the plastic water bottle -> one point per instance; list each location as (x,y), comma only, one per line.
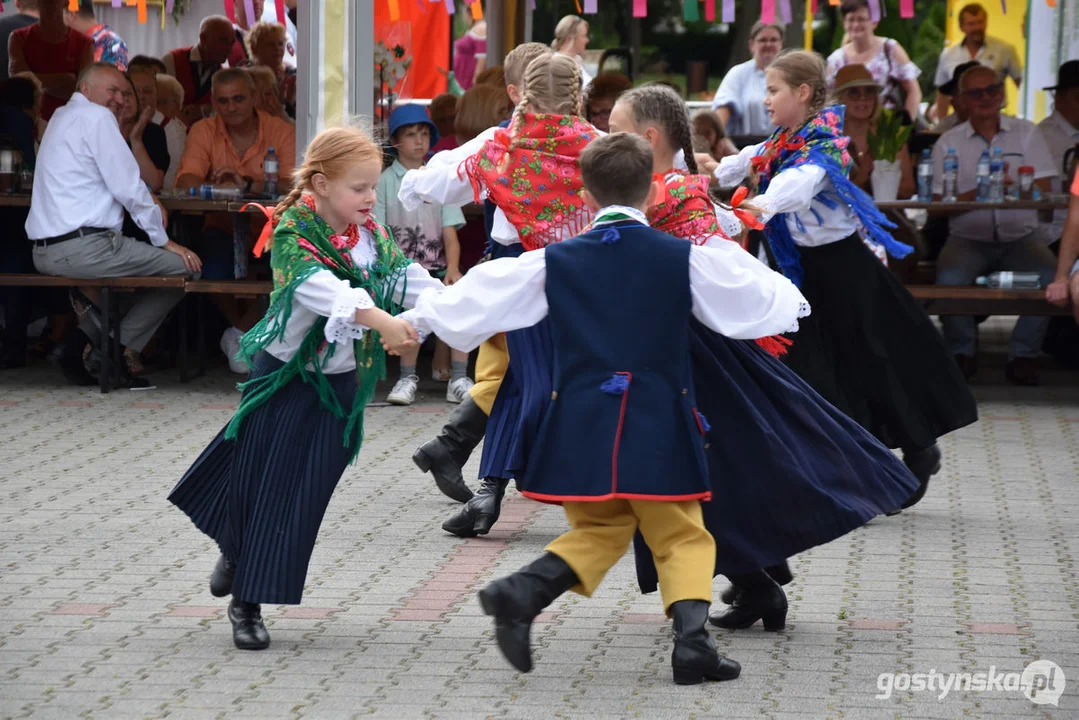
(996,177)
(983,192)
(1011,280)
(270,171)
(216,192)
(925,177)
(951,176)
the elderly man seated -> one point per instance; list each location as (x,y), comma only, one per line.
(86,177)
(195,66)
(229,149)
(985,241)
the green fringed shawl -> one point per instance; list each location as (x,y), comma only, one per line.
(302,246)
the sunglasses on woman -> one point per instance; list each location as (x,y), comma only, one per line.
(860,93)
(990,91)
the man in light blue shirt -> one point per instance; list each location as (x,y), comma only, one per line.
(739,102)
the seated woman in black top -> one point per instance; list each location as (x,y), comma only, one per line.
(149,146)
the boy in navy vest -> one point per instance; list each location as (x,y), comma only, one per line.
(622,444)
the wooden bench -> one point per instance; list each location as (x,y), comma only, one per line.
(107,287)
(202,288)
(961,300)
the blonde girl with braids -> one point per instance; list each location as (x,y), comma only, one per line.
(868,348)
(261,487)
(530,171)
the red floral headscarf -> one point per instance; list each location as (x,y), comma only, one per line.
(532,173)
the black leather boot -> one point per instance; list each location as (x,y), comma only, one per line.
(445,454)
(781,573)
(481,512)
(759,598)
(515,600)
(695,658)
(924,464)
(221,577)
(248,630)
(70,361)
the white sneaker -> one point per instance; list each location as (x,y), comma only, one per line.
(458,389)
(404,391)
(230,345)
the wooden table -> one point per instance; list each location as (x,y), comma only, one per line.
(1055,202)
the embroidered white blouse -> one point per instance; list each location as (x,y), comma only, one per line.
(326,295)
(732,292)
(797,191)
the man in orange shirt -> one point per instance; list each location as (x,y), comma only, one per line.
(228,150)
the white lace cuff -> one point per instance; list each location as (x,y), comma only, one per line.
(413,319)
(803,311)
(342,326)
(729,223)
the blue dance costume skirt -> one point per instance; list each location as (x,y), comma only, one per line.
(262,496)
(788,470)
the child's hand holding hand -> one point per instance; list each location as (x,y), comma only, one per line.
(398,337)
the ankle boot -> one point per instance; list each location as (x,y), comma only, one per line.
(248,630)
(221,577)
(924,464)
(481,512)
(515,600)
(445,454)
(70,361)
(760,597)
(695,658)
(781,573)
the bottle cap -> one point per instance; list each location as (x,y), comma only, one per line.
(272,150)
(981,281)
(1027,169)
(192,191)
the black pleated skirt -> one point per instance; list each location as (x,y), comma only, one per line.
(262,497)
(870,350)
(788,470)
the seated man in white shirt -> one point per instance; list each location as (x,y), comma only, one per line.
(985,241)
(1061,133)
(86,177)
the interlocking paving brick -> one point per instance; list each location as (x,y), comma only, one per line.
(981,573)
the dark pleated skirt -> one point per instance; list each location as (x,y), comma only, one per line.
(870,350)
(520,404)
(262,497)
(788,470)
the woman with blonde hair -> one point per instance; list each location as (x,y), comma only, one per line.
(860,94)
(266,44)
(261,487)
(571,39)
(530,171)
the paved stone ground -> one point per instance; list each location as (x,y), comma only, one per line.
(105,612)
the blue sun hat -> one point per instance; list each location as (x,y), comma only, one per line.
(404,115)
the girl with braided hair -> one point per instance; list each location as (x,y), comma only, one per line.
(261,487)
(530,171)
(869,348)
(788,471)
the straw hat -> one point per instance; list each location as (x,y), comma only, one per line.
(855,75)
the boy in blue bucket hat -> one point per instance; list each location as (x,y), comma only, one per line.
(428,236)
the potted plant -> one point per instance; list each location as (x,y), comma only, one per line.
(888,138)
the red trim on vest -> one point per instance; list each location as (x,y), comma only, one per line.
(697,417)
(705,496)
(618,432)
